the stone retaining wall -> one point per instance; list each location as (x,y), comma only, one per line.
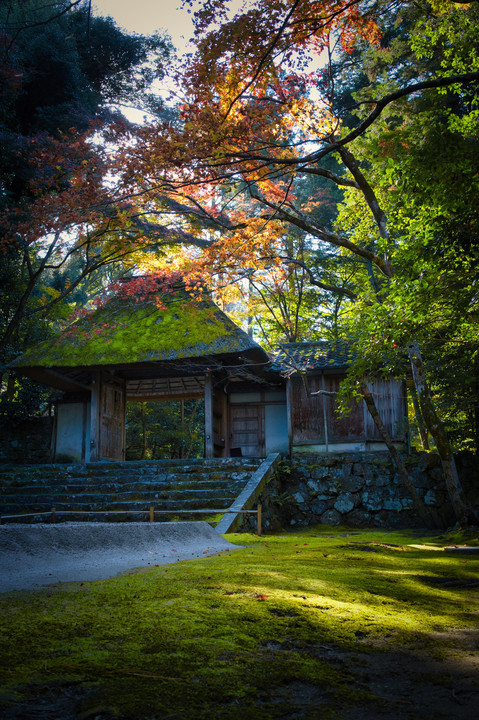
(27,443)
(361,489)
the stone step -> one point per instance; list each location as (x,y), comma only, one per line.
(99,516)
(101,496)
(115,487)
(167,485)
(162,462)
(152,478)
(147,467)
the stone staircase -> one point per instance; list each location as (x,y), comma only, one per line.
(123,491)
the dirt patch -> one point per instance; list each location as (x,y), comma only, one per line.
(407,686)
(394,685)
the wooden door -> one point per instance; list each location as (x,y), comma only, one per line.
(112,423)
(247,429)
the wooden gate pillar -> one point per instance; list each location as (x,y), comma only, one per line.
(209,419)
(95,442)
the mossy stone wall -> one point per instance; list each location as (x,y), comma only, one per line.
(361,490)
(28,442)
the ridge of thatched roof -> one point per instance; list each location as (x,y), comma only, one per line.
(318,355)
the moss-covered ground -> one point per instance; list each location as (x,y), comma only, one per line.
(280,628)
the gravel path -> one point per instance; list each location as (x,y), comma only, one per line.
(35,555)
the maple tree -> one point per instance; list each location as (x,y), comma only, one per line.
(264,107)
(61,72)
(259,116)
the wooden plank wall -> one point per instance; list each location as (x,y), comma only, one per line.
(247,430)
(309,411)
(389,396)
(306,412)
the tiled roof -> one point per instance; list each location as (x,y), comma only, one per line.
(319,355)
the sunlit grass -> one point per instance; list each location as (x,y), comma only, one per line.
(191,639)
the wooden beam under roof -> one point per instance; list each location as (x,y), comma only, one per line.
(50,377)
(163,389)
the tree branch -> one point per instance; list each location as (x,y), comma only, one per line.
(297,218)
(380,105)
(331,176)
(317,283)
(267,53)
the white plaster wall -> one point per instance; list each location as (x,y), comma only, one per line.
(276,429)
(73,432)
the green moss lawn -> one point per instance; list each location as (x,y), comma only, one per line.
(282,628)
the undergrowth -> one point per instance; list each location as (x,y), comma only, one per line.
(223,635)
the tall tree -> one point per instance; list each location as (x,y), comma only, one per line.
(252,122)
(62,72)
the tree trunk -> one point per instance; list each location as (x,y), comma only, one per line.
(396,457)
(417,411)
(475,407)
(462,510)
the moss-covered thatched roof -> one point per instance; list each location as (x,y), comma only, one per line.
(126,331)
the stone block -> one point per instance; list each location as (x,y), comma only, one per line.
(318,507)
(353,483)
(372,500)
(421,480)
(344,503)
(392,504)
(319,472)
(326,487)
(359,518)
(428,461)
(331,460)
(331,517)
(381,459)
(383,480)
(436,474)
(336,473)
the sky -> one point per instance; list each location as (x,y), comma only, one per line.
(147,16)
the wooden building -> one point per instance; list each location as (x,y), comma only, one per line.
(140,351)
(315,371)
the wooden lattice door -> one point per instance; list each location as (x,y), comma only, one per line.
(247,429)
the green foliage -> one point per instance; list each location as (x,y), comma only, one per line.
(21,398)
(419,157)
(61,72)
(65,68)
(228,634)
(157,430)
